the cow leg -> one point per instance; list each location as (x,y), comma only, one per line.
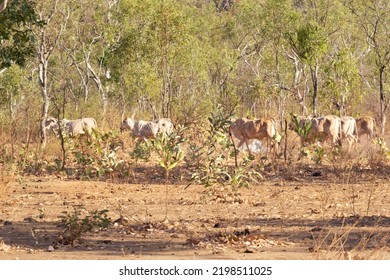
(349,140)
(235,149)
(247,146)
(275,148)
(353,142)
(240,144)
(270,146)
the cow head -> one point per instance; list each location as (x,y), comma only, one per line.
(51,124)
(127,124)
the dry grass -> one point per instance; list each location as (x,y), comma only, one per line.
(349,242)
(7,178)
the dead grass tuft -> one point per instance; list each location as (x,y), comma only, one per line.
(7,178)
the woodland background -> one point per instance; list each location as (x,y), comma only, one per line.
(182,58)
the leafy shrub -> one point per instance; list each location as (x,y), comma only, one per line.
(98,154)
(141,151)
(74,226)
(168,149)
(214,150)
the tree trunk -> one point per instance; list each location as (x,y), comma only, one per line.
(45,49)
(282,96)
(3,5)
(99,84)
(382,101)
(314,78)
(298,73)
(43,64)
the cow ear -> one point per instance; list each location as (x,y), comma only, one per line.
(258,123)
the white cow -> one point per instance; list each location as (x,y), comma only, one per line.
(147,129)
(165,125)
(72,127)
(80,126)
(349,131)
(51,124)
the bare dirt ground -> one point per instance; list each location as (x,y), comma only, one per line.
(311,215)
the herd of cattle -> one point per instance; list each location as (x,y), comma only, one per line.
(244,130)
(309,129)
(140,129)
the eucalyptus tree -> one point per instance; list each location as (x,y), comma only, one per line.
(270,73)
(16,37)
(341,83)
(162,57)
(309,42)
(373,18)
(55,15)
(12,84)
(314,37)
(342,80)
(86,46)
(17,45)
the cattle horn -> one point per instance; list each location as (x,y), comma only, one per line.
(132,116)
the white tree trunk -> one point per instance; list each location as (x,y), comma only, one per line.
(3,5)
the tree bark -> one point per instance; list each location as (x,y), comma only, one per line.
(3,5)
(383,103)
(43,66)
(314,78)
(298,73)
(45,49)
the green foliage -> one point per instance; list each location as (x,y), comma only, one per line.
(319,154)
(215,152)
(244,176)
(162,43)
(74,225)
(302,130)
(141,151)
(218,129)
(309,42)
(384,151)
(176,47)
(16,36)
(342,81)
(10,84)
(96,155)
(194,155)
(168,149)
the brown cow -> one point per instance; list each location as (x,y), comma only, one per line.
(366,125)
(321,128)
(261,129)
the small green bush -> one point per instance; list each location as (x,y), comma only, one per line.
(74,226)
